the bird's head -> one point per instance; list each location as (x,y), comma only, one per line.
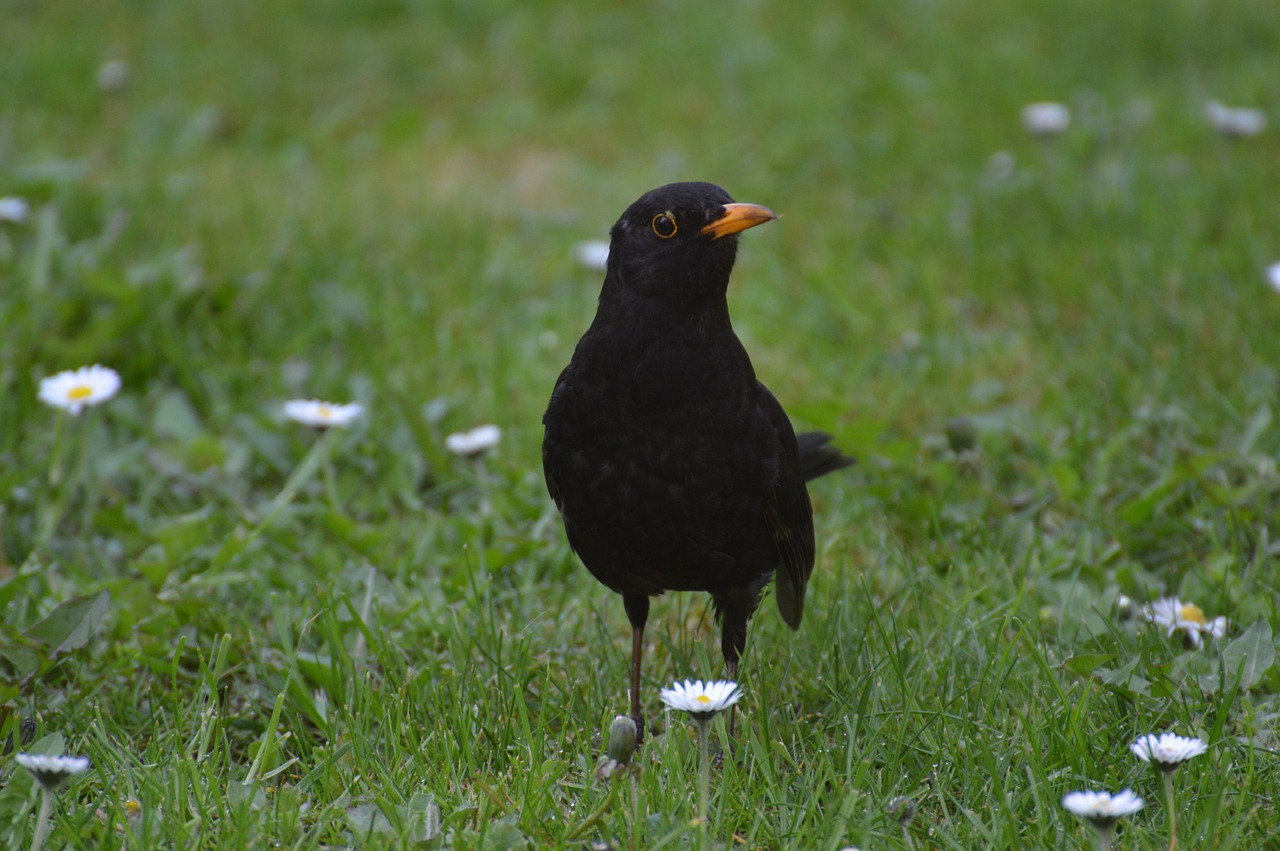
(677,243)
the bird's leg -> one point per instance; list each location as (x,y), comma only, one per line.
(637,645)
(733,641)
(637,606)
(733,710)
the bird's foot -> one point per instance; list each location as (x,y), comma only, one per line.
(639,719)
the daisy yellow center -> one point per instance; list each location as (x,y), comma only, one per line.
(1192,612)
(702,698)
(325,412)
(80,391)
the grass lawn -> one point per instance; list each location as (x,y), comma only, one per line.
(1057,360)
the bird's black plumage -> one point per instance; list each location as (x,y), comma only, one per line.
(674,469)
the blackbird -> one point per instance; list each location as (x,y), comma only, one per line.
(673,468)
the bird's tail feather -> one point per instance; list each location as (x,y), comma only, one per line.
(818,457)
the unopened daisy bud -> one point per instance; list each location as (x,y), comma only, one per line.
(901,809)
(962,435)
(622,739)
(1124,608)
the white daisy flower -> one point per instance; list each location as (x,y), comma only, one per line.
(1174,615)
(1235,121)
(77,389)
(1001,165)
(51,771)
(699,698)
(1102,809)
(14,209)
(1046,118)
(592,254)
(1273,276)
(474,442)
(317,414)
(113,76)
(1167,751)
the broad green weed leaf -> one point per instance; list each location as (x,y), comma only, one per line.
(71,625)
(1251,654)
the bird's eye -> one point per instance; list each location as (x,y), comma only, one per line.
(664,225)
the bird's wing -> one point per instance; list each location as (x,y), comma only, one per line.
(789,516)
(548,465)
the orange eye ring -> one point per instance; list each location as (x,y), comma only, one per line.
(664,225)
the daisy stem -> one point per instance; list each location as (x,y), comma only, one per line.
(366,608)
(59,449)
(1167,778)
(302,474)
(635,813)
(704,779)
(81,478)
(330,483)
(594,816)
(482,475)
(59,487)
(42,820)
(1104,839)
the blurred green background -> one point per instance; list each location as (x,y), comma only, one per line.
(379,201)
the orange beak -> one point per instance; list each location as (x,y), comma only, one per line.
(738,217)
